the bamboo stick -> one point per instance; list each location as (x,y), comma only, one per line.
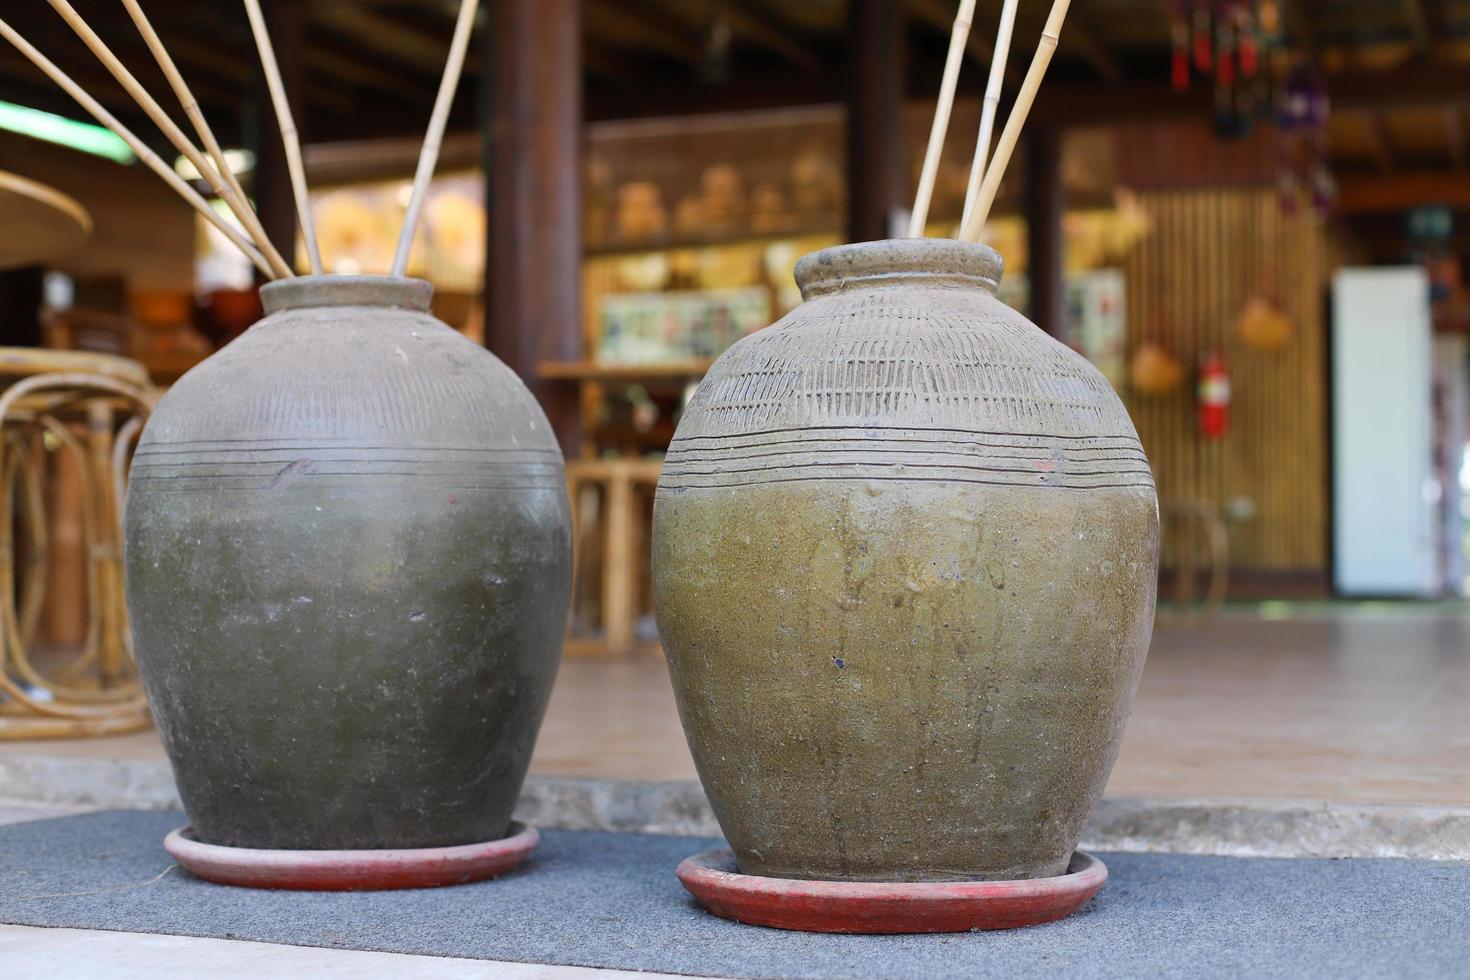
(141,150)
(996,169)
(161,119)
(990,105)
(195,115)
(957,38)
(434,138)
(289,136)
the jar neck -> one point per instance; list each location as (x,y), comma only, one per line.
(916,261)
(306,292)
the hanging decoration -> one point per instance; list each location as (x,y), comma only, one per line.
(1241,46)
(1301,128)
(1263,326)
(1152,370)
(1233,42)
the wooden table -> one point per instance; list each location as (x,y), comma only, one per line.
(622,539)
(38,222)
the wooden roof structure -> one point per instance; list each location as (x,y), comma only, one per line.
(1398,71)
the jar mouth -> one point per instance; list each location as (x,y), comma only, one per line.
(925,261)
(305,292)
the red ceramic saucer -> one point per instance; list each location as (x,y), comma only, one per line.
(887,907)
(372,870)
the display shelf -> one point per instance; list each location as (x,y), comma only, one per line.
(692,368)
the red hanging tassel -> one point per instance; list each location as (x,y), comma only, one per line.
(1248,41)
(1179,51)
(1204,56)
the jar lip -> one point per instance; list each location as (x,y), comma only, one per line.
(931,260)
(305,292)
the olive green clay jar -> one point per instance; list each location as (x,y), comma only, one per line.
(905,559)
(348,567)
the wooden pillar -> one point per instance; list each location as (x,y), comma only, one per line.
(531,121)
(271,180)
(875,93)
(1046,203)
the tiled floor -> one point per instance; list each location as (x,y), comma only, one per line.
(1361,704)
(1364,704)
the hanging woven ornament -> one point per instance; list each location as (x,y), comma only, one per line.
(1262,326)
(1153,370)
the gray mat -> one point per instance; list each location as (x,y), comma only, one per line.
(604,899)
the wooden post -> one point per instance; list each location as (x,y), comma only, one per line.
(876,183)
(531,122)
(271,181)
(1046,205)
(619,567)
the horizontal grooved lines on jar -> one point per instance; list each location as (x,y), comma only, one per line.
(272,464)
(926,455)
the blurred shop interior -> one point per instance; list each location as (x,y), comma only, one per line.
(1253,222)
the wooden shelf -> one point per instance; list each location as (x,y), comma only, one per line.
(821,227)
(597,371)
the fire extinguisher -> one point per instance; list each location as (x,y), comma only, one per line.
(1214,396)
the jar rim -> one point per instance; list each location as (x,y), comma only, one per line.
(945,261)
(306,292)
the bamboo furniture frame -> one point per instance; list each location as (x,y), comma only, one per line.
(40,222)
(90,407)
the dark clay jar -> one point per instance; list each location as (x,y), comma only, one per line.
(905,558)
(348,567)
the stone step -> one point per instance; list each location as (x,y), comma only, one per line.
(1241,828)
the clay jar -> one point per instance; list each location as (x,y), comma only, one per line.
(905,559)
(348,567)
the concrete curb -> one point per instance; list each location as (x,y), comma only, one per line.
(1239,828)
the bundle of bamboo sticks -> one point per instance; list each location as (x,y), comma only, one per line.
(215,172)
(986,172)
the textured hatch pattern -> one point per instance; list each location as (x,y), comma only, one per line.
(272,464)
(941,383)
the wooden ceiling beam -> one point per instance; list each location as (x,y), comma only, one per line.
(198,56)
(207,57)
(1454,124)
(1297,26)
(604,65)
(1438,85)
(1418,22)
(651,30)
(760,29)
(100,87)
(386,36)
(1376,135)
(1360,194)
(1080,42)
(1408,85)
(357,71)
(938,15)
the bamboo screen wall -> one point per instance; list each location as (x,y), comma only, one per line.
(1211,250)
